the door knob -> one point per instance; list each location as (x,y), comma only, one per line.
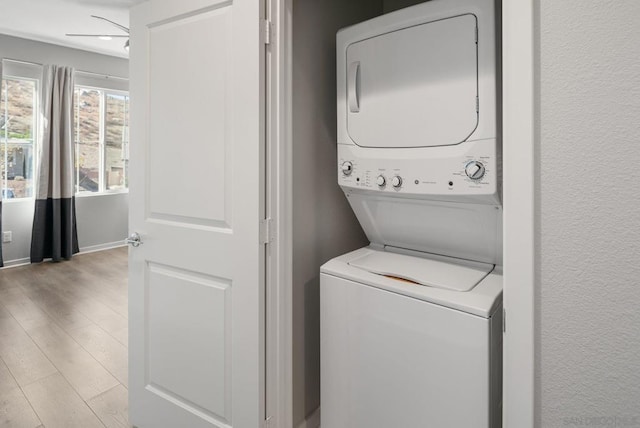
(134,240)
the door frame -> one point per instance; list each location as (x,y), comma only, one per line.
(279,203)
(520,133)
(519,229)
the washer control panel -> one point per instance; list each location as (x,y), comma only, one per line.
(450,171)
(475,170)
(346,167)
(396,181)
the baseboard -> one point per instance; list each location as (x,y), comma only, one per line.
(83,250)
(312,421)
(16,262)
(102,247)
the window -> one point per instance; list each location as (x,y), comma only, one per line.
(18,106)
(101,134)
(102,139)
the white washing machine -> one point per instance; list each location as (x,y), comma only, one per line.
(411,326)
(397,354)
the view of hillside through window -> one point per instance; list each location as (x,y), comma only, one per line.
(116,140)
(87,121)
(101,119)
(17,130)
(102,136)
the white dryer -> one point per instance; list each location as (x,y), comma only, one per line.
(411,326)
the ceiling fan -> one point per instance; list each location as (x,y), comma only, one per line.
(106,36)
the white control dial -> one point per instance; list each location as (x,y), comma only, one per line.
(396,181)
(381,181)
(475,170)
(347,168)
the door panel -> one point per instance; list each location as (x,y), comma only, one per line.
(196,198)
(197,134)
(195,374)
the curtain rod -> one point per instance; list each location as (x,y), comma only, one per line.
(106,76)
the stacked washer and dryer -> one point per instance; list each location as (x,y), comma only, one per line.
(411,326)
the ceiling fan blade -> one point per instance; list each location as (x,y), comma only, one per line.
(96,35)
(122,27)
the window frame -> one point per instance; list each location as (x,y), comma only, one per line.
(16,70)
(22,70)
(102,163)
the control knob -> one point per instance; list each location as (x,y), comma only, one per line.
(475,170)
(396,181)
(381,181)
(347,168)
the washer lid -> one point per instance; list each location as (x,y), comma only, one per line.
(414,87)
(449,275)
(482,300)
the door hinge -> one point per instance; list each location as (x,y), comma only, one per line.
(266,31)
(267,231)
(504,320)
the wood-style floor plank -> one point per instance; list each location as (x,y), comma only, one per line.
(112,407)
(104,348)
(58,405)
(61,310)
(121,335)
(87,376)
(4,313)
(63,343)
(25,311)
(7,382)
(15,411)
(24,359)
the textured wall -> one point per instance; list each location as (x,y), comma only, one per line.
(102,220)
(589,213)
(323,224)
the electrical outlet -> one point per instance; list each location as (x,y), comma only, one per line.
(7,236)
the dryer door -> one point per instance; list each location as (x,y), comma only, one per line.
(415,87)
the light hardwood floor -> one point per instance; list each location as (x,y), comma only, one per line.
(63,343)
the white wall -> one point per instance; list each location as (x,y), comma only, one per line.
(17,217)
(101,219)
(324,225)
(589,213)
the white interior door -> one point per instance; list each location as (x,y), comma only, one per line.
(197,166)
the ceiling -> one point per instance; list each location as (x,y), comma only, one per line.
(49,20)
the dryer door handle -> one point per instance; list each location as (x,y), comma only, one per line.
(353,87)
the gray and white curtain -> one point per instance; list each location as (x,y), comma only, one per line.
(54,223)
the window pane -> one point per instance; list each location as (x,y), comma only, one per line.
(19,167)
(88,170)
(18,129)
(3,136)
(87,120)
(116,140)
